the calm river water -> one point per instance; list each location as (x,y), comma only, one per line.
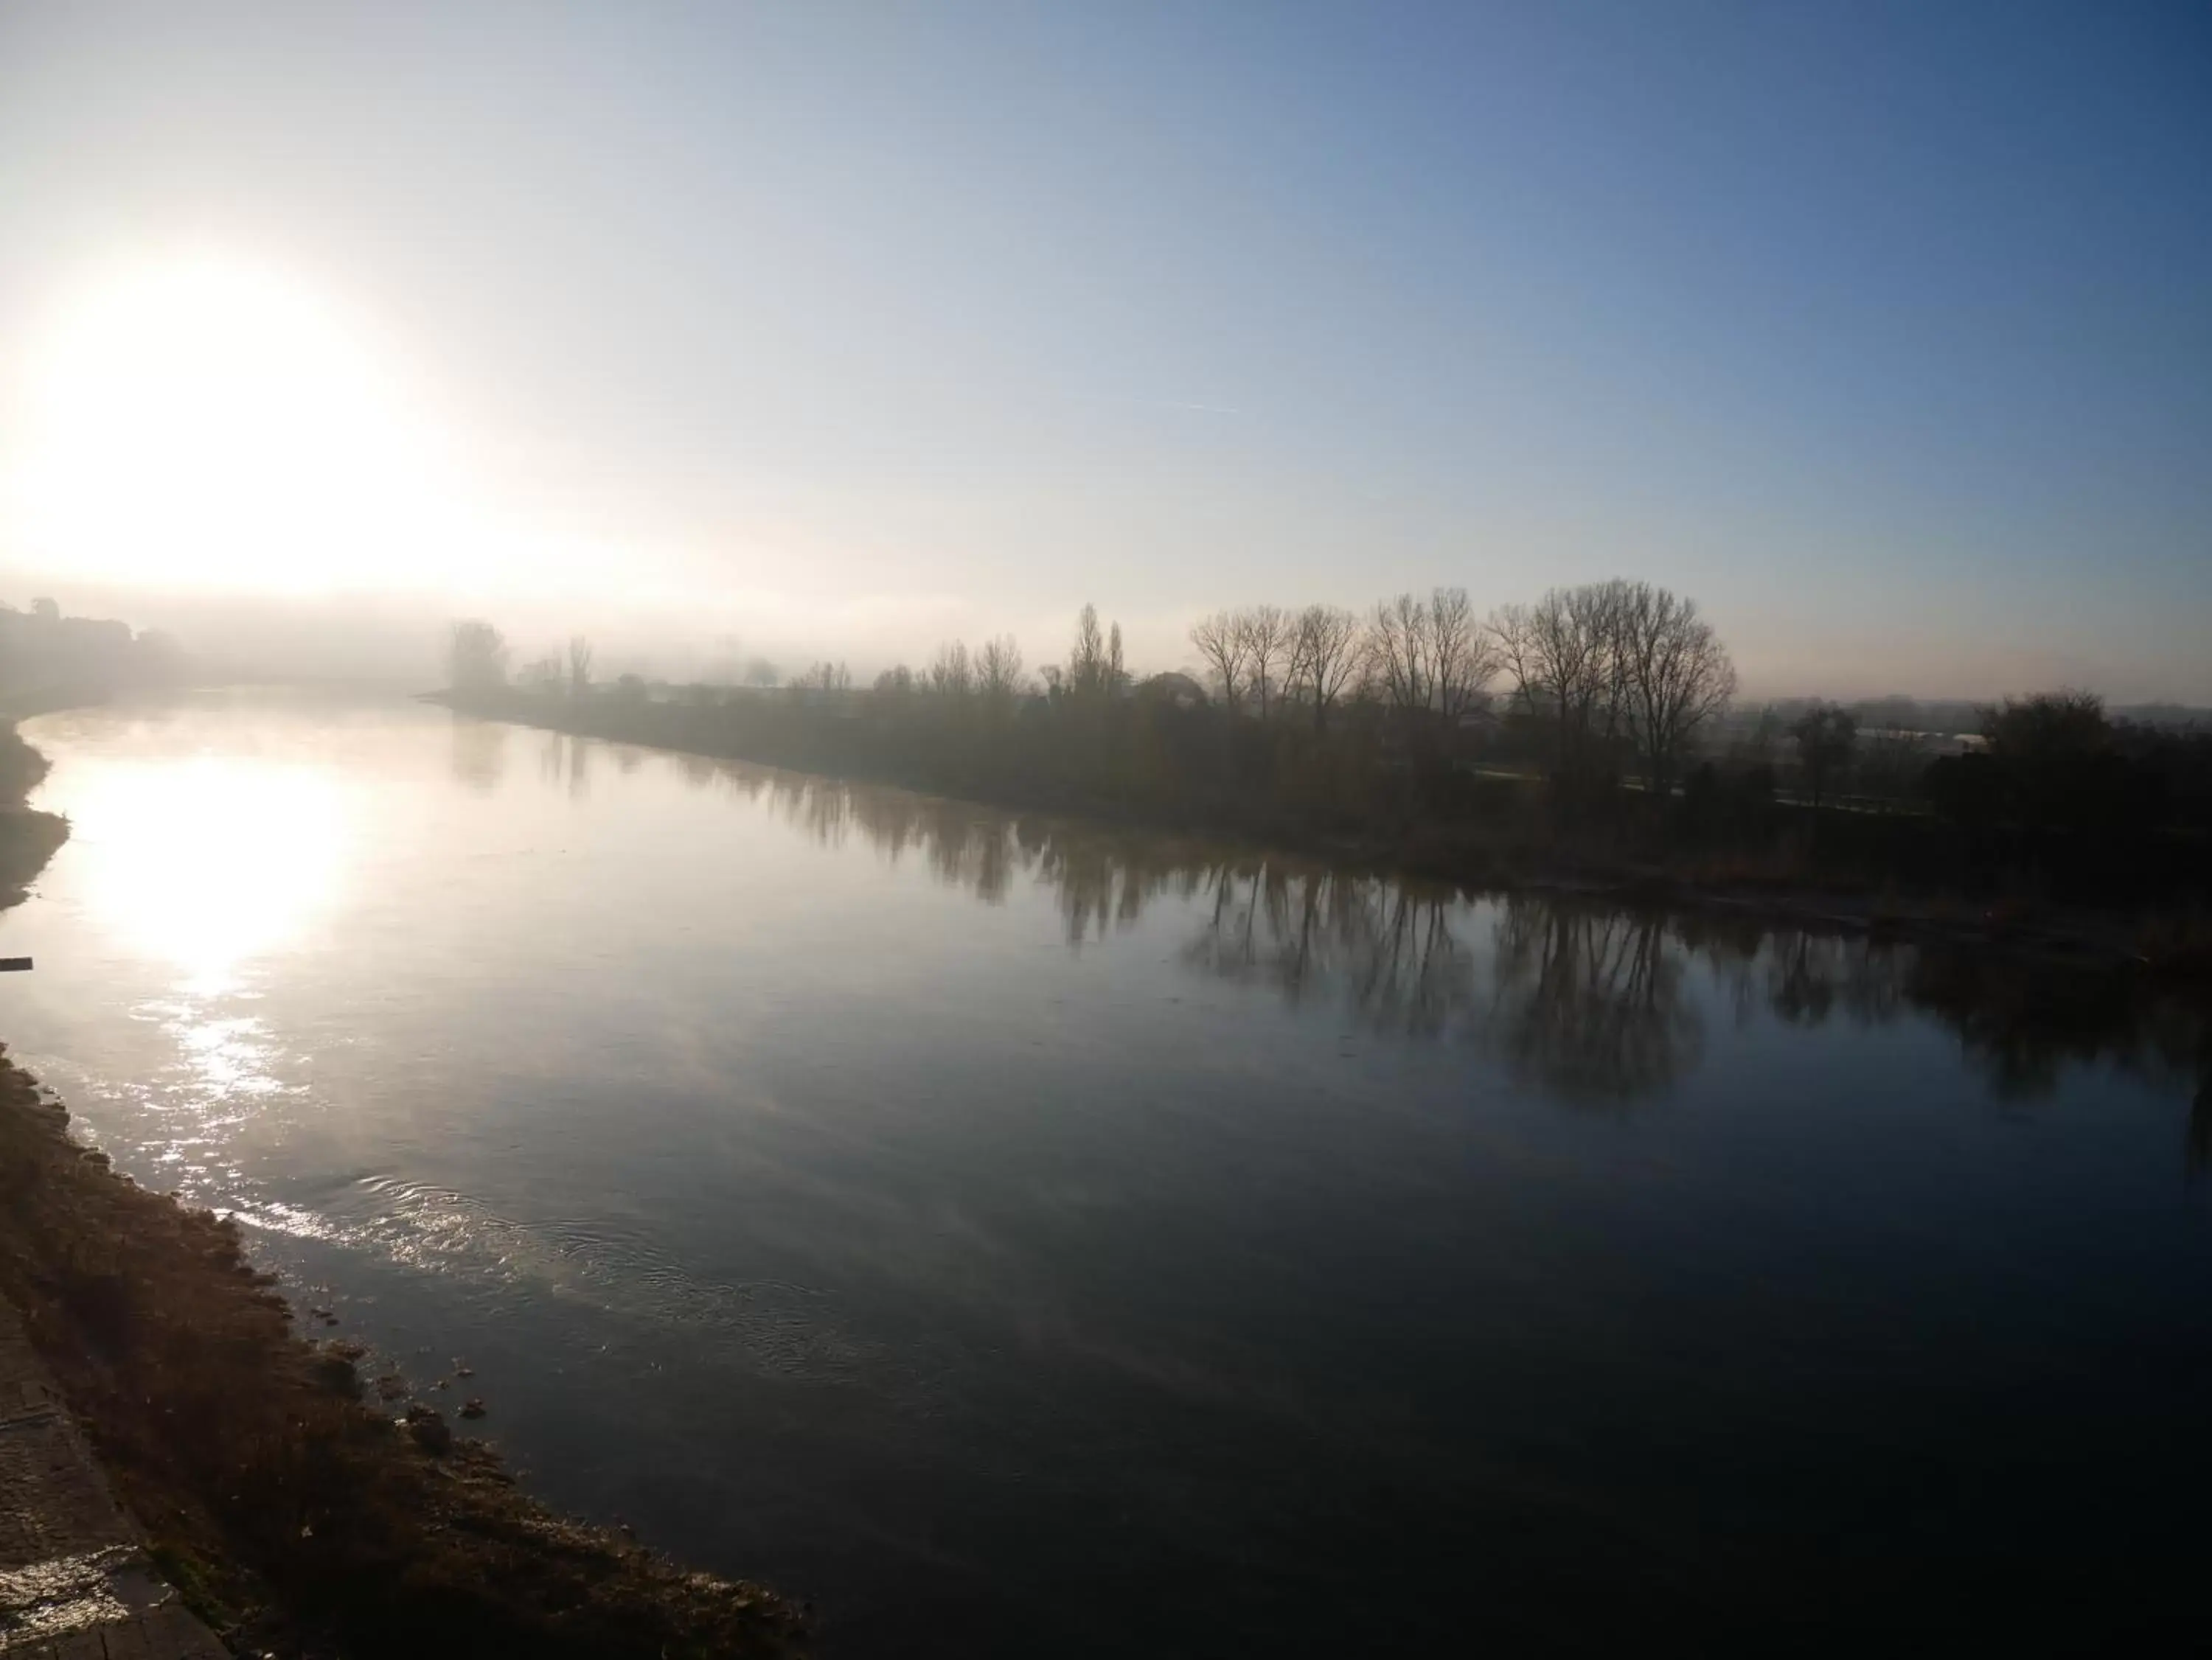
(1024,1240)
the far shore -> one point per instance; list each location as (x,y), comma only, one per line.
(2166,947)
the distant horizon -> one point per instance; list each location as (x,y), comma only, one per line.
(403,649)
(847,331)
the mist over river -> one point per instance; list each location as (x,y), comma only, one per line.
(1030,1239)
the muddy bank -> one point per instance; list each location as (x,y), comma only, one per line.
(294,1514)
(27,837)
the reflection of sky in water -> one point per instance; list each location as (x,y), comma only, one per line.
(927,1175)
(233,858)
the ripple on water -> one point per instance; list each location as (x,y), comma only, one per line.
(771,1327)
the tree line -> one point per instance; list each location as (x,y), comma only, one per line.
(1605,668)
(1591,726)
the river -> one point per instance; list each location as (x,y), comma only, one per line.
(1030,1239)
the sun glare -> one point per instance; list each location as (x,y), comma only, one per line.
(207,423)
(210,862)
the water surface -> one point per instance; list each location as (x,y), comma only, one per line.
(1023,1238)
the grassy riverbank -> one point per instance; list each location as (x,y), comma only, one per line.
(295,1518)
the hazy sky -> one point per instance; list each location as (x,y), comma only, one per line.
(1884,330)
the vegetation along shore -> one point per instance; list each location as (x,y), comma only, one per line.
(1587,739)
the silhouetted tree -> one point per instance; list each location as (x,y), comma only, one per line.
(2050,728)
(1088,672)
(951,674)
(580,665)
(1674,672)
(1269,636)
(1428,655)
(476,656)
(1564,655)
(1827,734)
(1325,659)
(1224,646)
(999,670)
(1397,653)
(2060,769)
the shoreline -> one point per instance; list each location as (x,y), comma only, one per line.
(28,838)
(291,1511)
(293,1515)
(2167,947)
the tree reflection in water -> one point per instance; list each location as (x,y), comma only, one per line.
(1593,1004)
(479,753)
(1388,948)
(1590,1004)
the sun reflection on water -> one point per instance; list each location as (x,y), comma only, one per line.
(209,864)
(207,869)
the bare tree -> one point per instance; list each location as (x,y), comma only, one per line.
(580,665)
(1462,658)
(1270,632)
(1429,654)
(951,676)
(1563,655)
(999,670)
(1513,634)
(1673,670)
(476,656)
(1325,659)
(1397,652)
(1225,645)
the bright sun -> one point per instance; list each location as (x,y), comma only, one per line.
(202,423)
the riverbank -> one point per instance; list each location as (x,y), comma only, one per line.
(294,1516)
(75,1575)
(28,838)
(2168,943)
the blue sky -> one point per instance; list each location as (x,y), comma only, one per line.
(1884,330)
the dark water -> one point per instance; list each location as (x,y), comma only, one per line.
(1029,1240)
